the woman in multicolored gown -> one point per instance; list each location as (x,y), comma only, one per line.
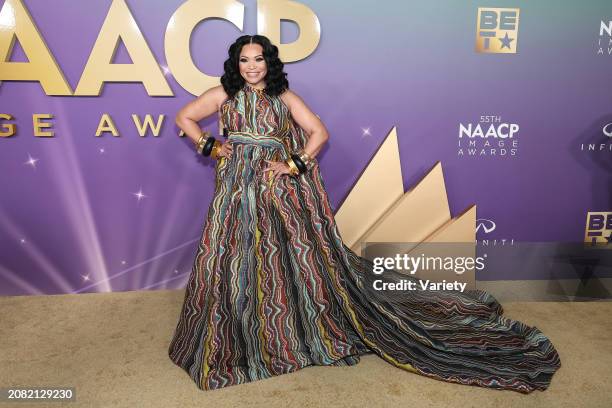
(274,289)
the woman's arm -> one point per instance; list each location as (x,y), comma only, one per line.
(307,120)
(203,106)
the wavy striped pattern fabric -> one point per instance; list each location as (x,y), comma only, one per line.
(273,288)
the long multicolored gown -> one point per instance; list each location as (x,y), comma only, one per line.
(274,289)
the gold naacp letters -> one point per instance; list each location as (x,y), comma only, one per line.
(120,24)
(42,125)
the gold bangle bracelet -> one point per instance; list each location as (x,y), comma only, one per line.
(215,150)
(203,136)
(304,156)
(200,147)
(200,140)
(293,170)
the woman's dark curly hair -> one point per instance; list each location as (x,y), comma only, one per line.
(232,81)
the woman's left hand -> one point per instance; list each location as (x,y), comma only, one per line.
(277,168)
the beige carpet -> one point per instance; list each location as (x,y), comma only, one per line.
(112,348)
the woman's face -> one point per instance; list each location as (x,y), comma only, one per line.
(252,65)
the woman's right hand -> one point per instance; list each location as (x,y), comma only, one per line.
(226,150)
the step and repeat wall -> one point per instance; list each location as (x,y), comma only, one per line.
(100,192)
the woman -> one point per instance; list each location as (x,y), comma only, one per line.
(274,289)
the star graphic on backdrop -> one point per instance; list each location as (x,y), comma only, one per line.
(139,194)
(365,132)
(101,150)
(506,41)
(165,69)
(85,277)
(22,240)
(123,262)
(31,161)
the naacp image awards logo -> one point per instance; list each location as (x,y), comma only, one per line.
(604,42)
(490,136)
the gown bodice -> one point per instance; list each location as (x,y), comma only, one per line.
(254,112)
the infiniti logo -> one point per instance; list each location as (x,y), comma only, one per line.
(607,130)
(485,224)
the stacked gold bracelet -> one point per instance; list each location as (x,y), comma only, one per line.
(293,170)
(299,162)
(305,158)
(207,145)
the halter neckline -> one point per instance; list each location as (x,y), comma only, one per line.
(248,87)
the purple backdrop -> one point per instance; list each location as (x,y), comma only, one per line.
(80,213)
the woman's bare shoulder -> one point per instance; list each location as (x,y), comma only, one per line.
(218,92)
(291,99)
